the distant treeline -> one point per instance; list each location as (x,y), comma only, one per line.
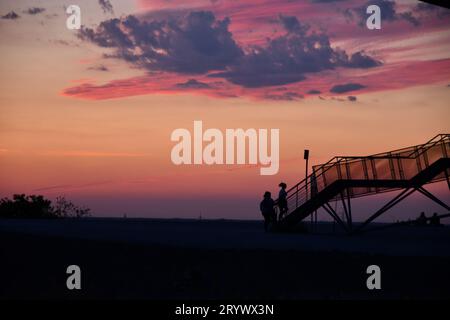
(36,206)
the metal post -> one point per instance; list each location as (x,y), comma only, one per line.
(306,157)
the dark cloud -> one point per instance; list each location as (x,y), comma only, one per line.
(288,58)
(388,10)
(314,91)
(106,6)
(343,88)
(286,96)
(361,60)
(292,24)
(408,16)
(325,1)
(198,43)
(99,67)
(194,44)
(193,84)
(60,42)
(11,16)
(429,9)
(34,10)
(352,98)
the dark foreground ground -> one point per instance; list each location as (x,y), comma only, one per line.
(216,260)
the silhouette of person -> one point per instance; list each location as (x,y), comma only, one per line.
(422,219)
(267,209)
(435,221)
(282,200)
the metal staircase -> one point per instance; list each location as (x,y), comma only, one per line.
(344,178)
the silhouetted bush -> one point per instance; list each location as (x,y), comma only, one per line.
(64,208)
(35,206)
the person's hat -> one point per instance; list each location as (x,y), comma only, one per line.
(282,185)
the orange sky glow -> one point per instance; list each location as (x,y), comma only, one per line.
(97,129)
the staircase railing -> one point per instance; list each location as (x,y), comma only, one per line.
(401,164)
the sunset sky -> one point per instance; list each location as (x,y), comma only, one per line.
(88,113)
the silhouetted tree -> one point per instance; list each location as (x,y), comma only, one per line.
(36,206)
(64,208)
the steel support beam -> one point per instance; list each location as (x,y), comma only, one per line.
(428,194)
(401,196)
(334,215)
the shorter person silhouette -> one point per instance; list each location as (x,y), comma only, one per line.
(282,200)
(422,219)
(267,209)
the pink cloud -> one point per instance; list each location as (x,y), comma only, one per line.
(401,75)
(253,21)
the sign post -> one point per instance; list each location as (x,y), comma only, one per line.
(306,157)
